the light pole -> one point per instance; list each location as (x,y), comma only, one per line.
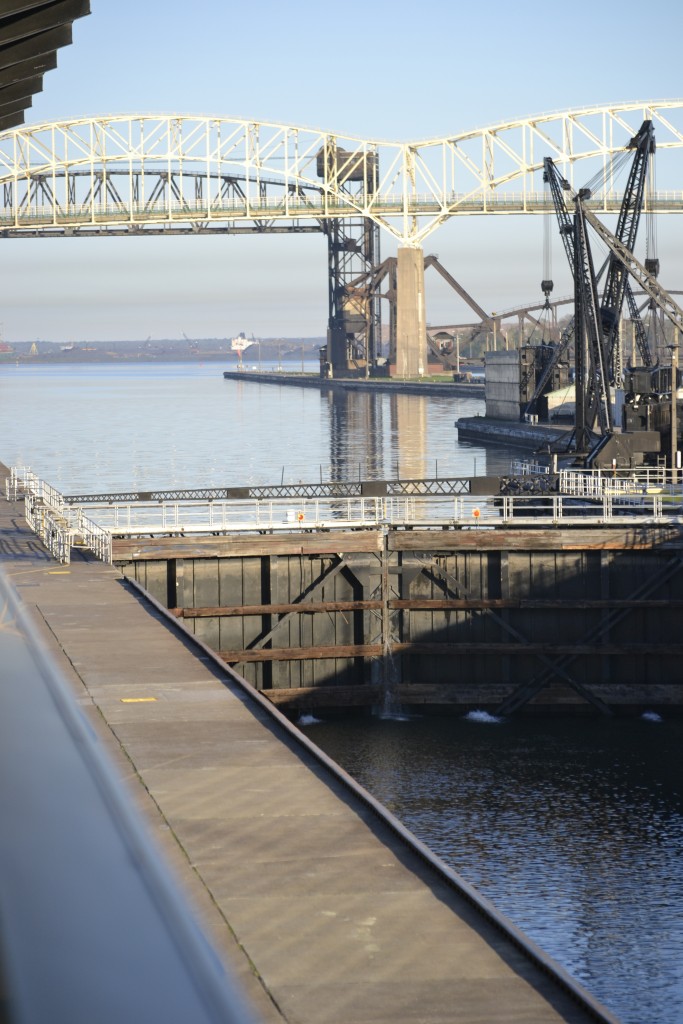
(674,419)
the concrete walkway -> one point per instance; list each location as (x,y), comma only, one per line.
(325,915)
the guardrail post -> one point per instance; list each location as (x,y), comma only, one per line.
(606,506)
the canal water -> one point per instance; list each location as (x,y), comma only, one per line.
(574,829)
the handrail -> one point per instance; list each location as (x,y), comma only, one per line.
(293,206)
(592,500)
(60,526)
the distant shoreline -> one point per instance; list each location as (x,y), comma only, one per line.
(163,350)
(86,358)
(80,358)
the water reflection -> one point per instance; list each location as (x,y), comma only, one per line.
(356,433)
(409,432)
(375,436)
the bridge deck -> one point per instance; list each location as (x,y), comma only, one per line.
(322,909)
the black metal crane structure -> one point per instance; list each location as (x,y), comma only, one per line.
(591,352)
(595,327)
(557,185)
(353,246)
(616,283)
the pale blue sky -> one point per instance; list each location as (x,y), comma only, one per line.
(379,70)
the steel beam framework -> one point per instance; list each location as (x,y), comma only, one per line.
(164,174)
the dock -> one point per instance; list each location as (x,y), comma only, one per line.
(511,432)
(371,385)
(324,907)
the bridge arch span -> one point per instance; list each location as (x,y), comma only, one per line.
(147,173)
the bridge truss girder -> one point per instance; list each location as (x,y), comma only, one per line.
(60,176)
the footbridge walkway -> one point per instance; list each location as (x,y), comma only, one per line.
(525,497)
(320,904)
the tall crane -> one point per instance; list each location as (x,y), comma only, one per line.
(665,420)
(595,328)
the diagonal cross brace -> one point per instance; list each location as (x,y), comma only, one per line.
(308,593)
(526,691)
(554,669)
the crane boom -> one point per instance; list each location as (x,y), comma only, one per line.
(638,326)
(643,144)
(590,351)
(558,185)
(647,281)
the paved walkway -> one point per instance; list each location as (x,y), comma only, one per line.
(323,913)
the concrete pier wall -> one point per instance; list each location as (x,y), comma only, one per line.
(411,317)
(503,378)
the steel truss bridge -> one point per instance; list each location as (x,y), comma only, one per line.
(169,174)
(172,174)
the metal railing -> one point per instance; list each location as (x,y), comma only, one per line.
(584,499)
(528,467)
(60,526)
(17,482)
(595,483)
(289,205)
(463,512)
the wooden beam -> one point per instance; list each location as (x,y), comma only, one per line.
(450,650)
(549,649)
(454,694)
(569,604)
(420,604)
(307,607)
(302,653)
(325,696)
(538,539)
(126,549)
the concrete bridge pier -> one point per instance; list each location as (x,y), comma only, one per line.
(411,320)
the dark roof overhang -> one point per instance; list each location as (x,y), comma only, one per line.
(31,33)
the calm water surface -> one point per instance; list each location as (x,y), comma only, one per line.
(100,427)
(574,829)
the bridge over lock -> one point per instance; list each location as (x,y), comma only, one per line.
(172,174)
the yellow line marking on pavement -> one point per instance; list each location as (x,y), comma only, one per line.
(137,700)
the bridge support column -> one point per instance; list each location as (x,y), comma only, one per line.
(411,321)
